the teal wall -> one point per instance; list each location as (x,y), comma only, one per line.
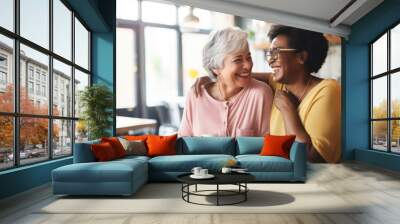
(24,178)
(102,63)
(356,85)
(103,51)
(99,16)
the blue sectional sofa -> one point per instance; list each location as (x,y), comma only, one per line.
(125,176)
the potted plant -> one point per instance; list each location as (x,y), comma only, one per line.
(96,103)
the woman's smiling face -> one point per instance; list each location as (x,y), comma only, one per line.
(286,64)
(236,71)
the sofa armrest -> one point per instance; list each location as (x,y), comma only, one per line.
(298,155)
(83,152)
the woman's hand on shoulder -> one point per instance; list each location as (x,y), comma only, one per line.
(201,81)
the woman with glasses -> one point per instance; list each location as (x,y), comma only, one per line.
(304,105)
(235,104)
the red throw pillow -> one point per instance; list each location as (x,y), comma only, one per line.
(103,152)
(277,145)
(116,145)
(161,145)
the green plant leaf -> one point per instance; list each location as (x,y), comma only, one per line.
(96,102)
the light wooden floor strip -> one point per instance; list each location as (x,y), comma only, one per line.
(377,189)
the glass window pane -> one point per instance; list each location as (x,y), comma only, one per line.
(204,16)
(62,138)
(192,48)
(6,74)
(127,9)
(395,95)
(395,47)
(81,131)
(35,21)
(6,142)
(395,136)
(379,97)
(62,29)
(7,14)
(155,12)
(81,81)
(81,45)
(33,139)
(379,135)
(379,55)
(62,89)
(34,96)
(161,65)
(126,68)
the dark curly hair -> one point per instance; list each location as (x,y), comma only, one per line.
(315,44)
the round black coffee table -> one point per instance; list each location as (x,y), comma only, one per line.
(238,179)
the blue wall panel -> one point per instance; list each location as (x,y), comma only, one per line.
(103,51)
(356,99)
(102,58)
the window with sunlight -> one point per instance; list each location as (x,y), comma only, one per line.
(46,81)
(385,96)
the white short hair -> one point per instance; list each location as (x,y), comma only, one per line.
(221,43)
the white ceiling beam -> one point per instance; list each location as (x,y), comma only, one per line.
(268,15)
(348,12)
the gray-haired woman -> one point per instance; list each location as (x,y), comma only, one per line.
(235,104)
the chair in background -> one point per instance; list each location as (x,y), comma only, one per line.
(169,117)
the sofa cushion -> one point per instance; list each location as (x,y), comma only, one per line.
(277,145)
(116,145)
(249,145)
(185,163)
(161,145)
(83,152)
(133,158)
(103,152)
(206,145)
(112,171)
(134,147)
(257,163)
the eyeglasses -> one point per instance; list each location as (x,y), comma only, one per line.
(272,54)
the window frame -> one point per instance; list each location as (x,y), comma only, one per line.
(16,115)
(388,74)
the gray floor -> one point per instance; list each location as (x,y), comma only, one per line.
(378,188)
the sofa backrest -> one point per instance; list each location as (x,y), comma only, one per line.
(190,146)
(206,145)
(83,152)
(249,145)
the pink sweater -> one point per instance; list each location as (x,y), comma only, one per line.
(246,114)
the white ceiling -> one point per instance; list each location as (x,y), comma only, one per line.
(321,9)
(314,15)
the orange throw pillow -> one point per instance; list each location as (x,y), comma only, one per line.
(103,152)
(161,145)
(277,145)
(116,145)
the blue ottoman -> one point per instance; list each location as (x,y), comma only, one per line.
(118,177)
